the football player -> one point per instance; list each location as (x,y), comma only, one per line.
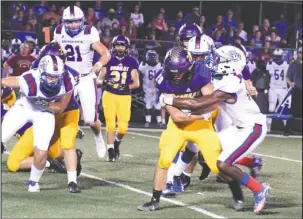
(121,75)
(249,124)
(79,42)
(45,91)
(186,32)
(277,68)
(178,79)
(8,95)
(149,68)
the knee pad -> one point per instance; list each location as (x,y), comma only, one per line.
(122,127)
(165,162)
(13,164)
(110,125)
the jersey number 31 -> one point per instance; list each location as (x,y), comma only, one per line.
(73,54)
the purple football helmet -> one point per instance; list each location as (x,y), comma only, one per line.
(186,32)
(177,65)
(52,48)
(120,41)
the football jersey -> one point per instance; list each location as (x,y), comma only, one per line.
(149,73)
(251,66)
(278,74)
(78,49)
(30,87)
(5,54)
(243,111)
(118,72)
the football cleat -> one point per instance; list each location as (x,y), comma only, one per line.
(205,171)
(147,124)
(3,148)
(110,155)
(100,146)
(57,165)
(237,204)
(32,186)
(185,180)
(177,184)
(256,166)
(162,125)
(79,156)
(260,198)
(168,191)
(80,134)
(73,187)
(153,205)
(117,149)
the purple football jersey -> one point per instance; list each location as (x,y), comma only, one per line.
(118,72)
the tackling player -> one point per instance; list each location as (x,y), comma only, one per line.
(121,75)
(79,42)
(149,68)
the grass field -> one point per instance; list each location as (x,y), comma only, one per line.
(114,190)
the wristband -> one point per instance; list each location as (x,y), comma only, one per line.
(168,100)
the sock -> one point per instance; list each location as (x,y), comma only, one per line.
(158,119)
(245,161)
(110,146)
(156,195)
(236,190)
(180,166)
(171,173)
(268,121)
(254,185)
(187,174)
(71,176)
(148,118)
(35,174)
(47,164)
(163,121)
(284,122)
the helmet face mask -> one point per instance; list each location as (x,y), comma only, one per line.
(120,45)
(278,55)
(152,58)
(73,19)
(186,32)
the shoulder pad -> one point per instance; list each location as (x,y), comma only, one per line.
(87,29)
(59,29)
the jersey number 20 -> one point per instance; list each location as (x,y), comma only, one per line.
(72,54)
(278,76)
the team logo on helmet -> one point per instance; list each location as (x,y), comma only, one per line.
(234,56)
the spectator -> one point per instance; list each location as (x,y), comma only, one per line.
(152,27)
(131,29)
(218,39)
(5,50)
(160,23)
(137,17)
(28,27)
(219,26)
(241,32)
(229,22)
(266,53)
(60,12)
(31,18)
(162,10)
(78,4)
(90,17)
(98,27)
(41,8)
(255,27)
(133,51)
(294,80)
(287,52)
(152,43)
(100,13)
(119,14)
(52,24)
(258,41)
(20,5)
(193,17)
(115,29)
(19,63)
(274,39)
(107,22)
(170,35)
(265,29)
(179,21)
(282,26)
(18,22)
(202,24)
(47,16)
(15,12)
(107,37)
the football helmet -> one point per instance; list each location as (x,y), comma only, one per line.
(73,20)
(178,65)
(53,48)
(186,32)
(52,69)
(200,47)
(230,60)
(120,41)
(277,55)
(152,58)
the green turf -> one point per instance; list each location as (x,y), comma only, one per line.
(102,200)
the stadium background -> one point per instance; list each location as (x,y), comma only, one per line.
(248,12)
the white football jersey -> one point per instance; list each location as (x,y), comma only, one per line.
(78,49)
(278,74)
(5,54)
(149,73)
(244,112)
(30,87)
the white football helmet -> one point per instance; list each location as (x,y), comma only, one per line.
(72,14)
(231,60)
(278,52)
(200,45)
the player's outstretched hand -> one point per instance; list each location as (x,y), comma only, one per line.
(97,67)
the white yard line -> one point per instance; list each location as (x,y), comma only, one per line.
(175,202)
